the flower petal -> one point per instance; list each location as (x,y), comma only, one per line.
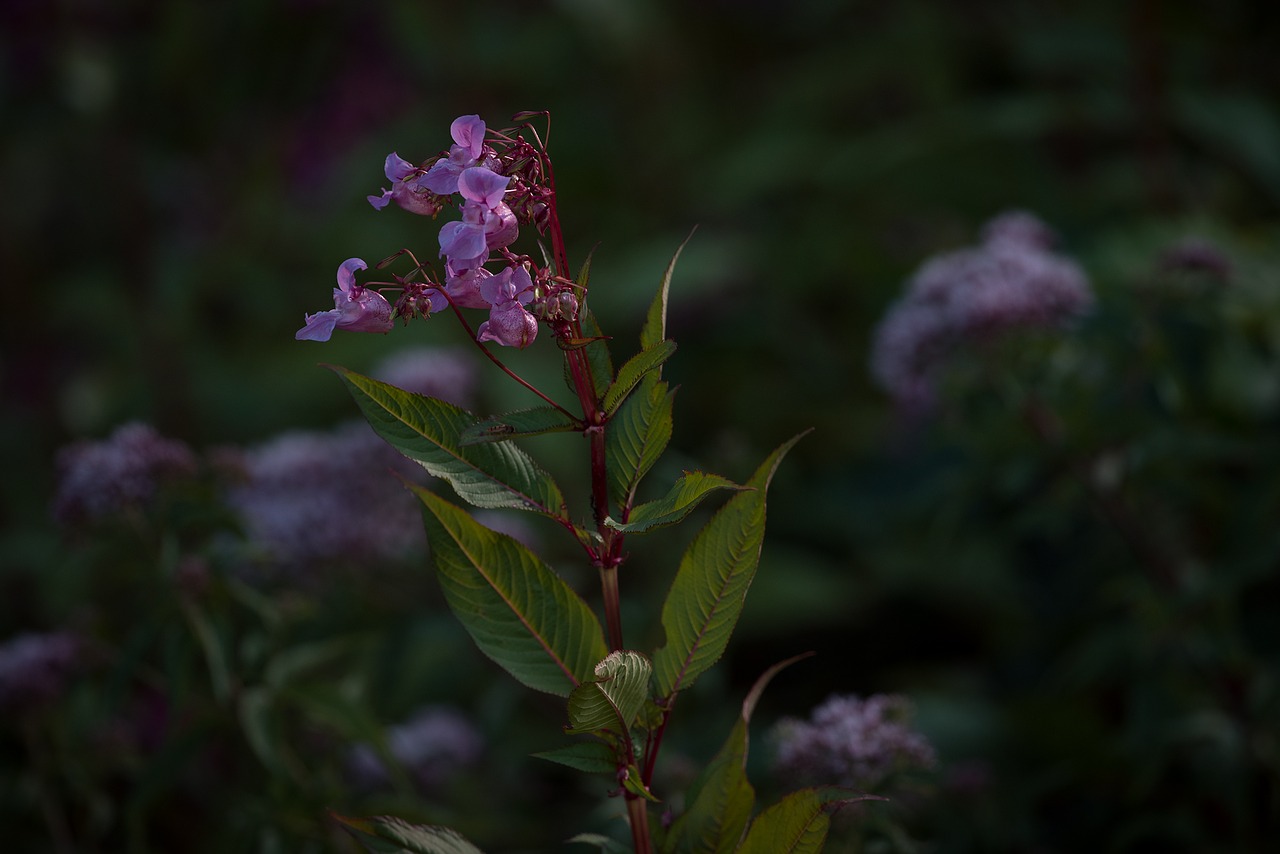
(319,327)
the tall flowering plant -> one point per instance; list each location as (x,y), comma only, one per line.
(619,700)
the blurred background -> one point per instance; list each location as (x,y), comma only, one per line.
(1067,562)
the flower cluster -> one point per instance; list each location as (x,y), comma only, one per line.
(503,181)
(432,745)
(851,742)
(1012,280)
(127,469)
(308,497)
(35,668)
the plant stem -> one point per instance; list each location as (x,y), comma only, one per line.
(612,609)
(638,814)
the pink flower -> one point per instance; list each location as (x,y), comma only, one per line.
(487,222)
(468,138)
(411,197)
(357,309)
(509,324)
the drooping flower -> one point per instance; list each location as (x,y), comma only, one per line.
(849,741)
(468,139)
(464,288)
(357,309)
(509,323)
(407,193)
(127,469)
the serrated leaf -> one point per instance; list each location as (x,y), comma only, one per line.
(523,422)
(684,497)
(638,434)
(429,431)
(720,802)
(516,609)
(406,837)
(593,757)
(711,583)
(654,329)
(634,370)
(612,699)
(797,824)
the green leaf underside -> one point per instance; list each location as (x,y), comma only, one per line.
(634,370)
(429,431)
(720,801)
(654,329)
(797,824)
(612,699)
(524,422)
(593,757)
(711,583)
(685,495)
(405,837)
(517,610)
(638,434)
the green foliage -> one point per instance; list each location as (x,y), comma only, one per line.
(797,824)
(633,371)
(685,495)
(513,425)
(594,757)
(518,611)
(611,699)
(430,431)
(391,835)
(710,586)
(637,436)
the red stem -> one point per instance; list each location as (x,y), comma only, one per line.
(638,814)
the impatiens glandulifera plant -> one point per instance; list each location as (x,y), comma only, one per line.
(519,612)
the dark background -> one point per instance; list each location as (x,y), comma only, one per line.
(180,180)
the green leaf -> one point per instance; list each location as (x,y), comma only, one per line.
(638,434)
(214,653)
(797,824)
(429,430)
(654,329)
(255,710)
(524,422)
(594,757)
(584,272)
(711,583)
(375,834)
(720,802)
(633,782)
(721,799)
(517,610)
(634,370)
(597,350)
(613,698)
(685,495)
